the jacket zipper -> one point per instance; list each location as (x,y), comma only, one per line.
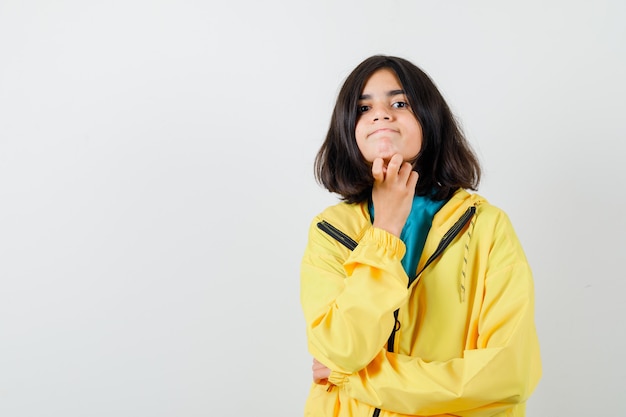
(447,238)
(337,234)
(443,244)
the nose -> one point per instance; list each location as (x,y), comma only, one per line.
(380,113)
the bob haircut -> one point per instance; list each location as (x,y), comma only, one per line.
(445,163)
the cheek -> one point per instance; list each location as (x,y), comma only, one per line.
(360,144)
(416,141)
(417,132)
(358,130)
(358,134)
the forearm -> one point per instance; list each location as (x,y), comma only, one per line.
(500,372)
(480,384)
(349,311)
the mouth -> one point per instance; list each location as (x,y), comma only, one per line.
(383,130)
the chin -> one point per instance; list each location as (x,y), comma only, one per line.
(385,156)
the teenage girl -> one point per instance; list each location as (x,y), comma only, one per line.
(417,296)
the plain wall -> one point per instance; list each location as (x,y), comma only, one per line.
(156,188)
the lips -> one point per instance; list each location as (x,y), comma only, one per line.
(383,130)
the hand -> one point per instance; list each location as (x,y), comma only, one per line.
(392,194)
(320,372)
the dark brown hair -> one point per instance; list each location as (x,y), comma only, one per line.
(445,163)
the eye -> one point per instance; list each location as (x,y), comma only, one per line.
(363,108)
(400,105)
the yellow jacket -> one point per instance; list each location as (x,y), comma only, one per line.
(465,342)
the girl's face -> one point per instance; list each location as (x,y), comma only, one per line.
(386,125)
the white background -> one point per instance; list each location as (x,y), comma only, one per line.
(156,187)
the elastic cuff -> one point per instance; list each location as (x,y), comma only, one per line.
(337,378)
(392,244)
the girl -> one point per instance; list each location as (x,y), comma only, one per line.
(417,296)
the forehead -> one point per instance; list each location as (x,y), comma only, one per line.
(384,79)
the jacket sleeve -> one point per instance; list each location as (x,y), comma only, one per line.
(501,371)
(348,297)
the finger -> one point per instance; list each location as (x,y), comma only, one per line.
(413,177)
(394,165)
(405,171)
(317,365)
(321,374)
(378,170)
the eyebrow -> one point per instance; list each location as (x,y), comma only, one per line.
(389,94)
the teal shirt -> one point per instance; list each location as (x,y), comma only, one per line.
(415,230)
